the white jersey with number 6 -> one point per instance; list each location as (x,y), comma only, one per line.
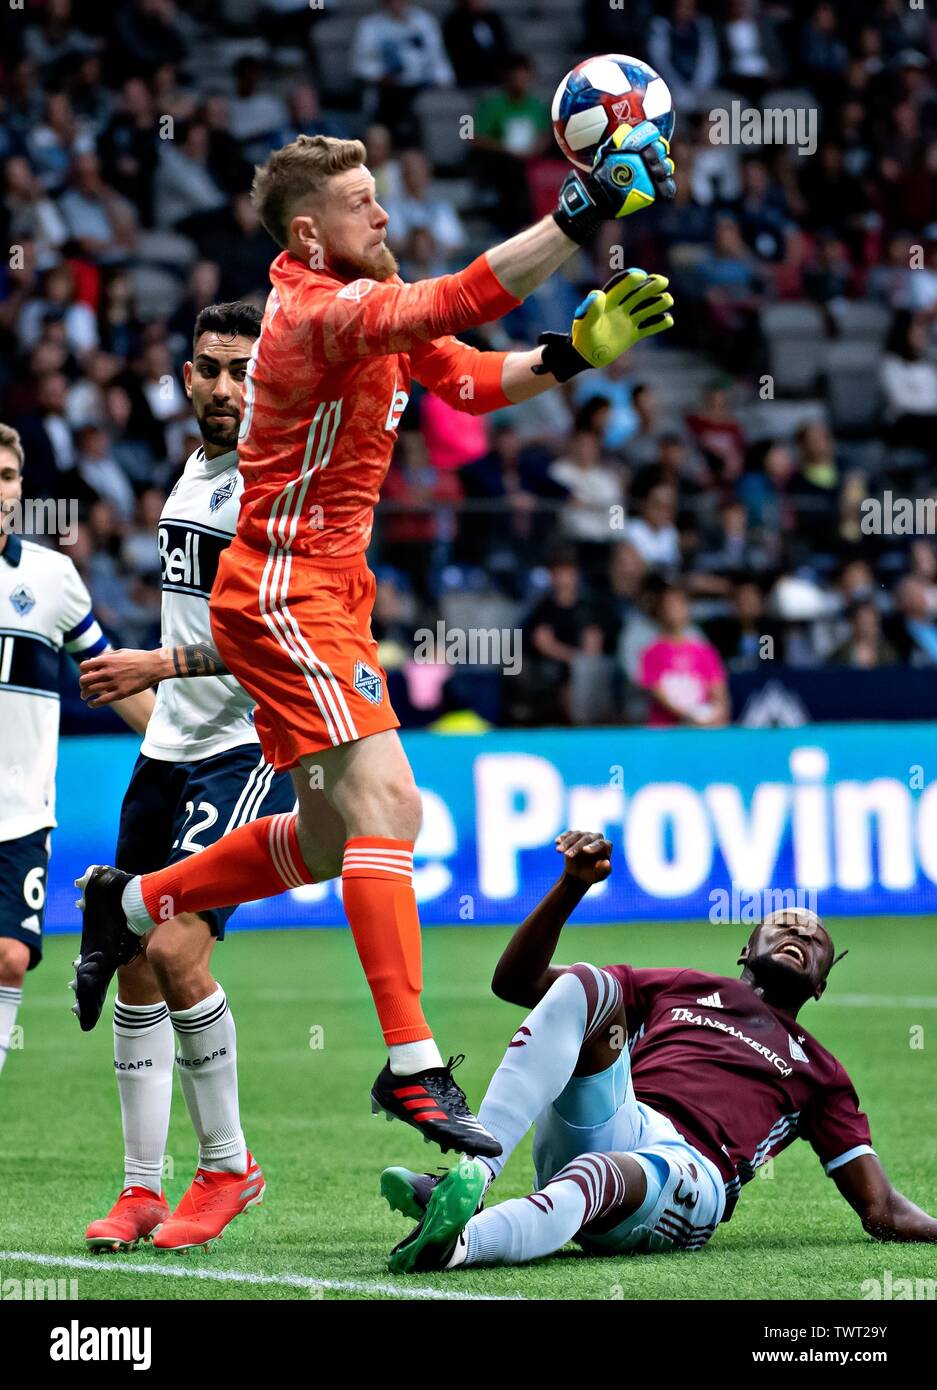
(44,607)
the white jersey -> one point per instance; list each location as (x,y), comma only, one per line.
(44,607)
(197,718)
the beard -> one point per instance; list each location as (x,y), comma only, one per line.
(780,983)
(380,264)
(221,435)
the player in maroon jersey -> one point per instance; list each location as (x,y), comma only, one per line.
(645,1146)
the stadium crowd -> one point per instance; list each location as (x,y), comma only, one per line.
(701,504)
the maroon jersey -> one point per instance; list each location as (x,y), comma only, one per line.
(738,1077)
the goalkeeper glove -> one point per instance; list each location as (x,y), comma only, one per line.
(631,169)
(633,305)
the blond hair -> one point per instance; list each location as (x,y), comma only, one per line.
(294,172)
(9,439)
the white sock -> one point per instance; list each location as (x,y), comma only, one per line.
(207,1063)
(407,1058)
(10,1000)
(143,1051)
(525,1228)
(131,900)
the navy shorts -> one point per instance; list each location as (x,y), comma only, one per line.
(24,865)
(172,810)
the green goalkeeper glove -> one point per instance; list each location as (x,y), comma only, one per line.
(631,306)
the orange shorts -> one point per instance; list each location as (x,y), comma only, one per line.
(296,634)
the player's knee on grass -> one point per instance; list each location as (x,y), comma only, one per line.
(179,952)
(14,962)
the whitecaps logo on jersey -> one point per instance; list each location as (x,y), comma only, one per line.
(368,683)
(222,494)
(356,290)
(23,599)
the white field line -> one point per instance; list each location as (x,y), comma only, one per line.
(105,1264)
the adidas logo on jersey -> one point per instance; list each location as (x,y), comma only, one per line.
(797,1052)
(712,1001)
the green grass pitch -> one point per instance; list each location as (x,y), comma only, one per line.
(308,1051)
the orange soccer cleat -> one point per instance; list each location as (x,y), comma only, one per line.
(211,1203)
(135,1215)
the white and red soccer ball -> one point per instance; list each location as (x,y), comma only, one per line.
(603,93)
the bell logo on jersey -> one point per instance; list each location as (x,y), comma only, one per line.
(398,404)
(222,494)
(368,683)
(23,599)
(180,564)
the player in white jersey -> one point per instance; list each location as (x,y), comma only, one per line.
(44,609)
(200,774)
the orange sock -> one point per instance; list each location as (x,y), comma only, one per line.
(258,860)
(380,904)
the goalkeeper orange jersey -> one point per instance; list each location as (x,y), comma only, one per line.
(328,382)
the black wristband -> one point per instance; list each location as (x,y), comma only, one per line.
(578,214)
(559,357)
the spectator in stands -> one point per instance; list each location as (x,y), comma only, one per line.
(752,57)
(595,498)
(924,568)
(53,143)
(244,249)
(865,647)
(823,54)
(762,212)
(682,673)
(613,386)
(384,166)
(682,47)
(33,215)
(257,117)
(673,464)
(185,190)
(912,630)
(746,636)
(417,206)
(103,223)
(475,38)
(226,162)
(717,432)
(565,624)
(139,549)
(396,53)
(129,148)
(512,126)
(54,40)
(59,304)
(909,381)
(147,33)
(101,473)
(731,282)
(653,533)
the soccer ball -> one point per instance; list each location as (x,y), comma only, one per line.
(599,95)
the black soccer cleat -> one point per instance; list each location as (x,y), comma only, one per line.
(433,1103)
(409,1192)
(106,940)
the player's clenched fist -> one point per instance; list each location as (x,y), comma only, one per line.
(632,169)
(586,855)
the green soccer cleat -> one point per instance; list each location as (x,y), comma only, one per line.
(453,1202)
